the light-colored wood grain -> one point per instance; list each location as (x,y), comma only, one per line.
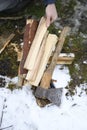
(31,58)
(30,30)
(64,58)
(31,75)
(51,41)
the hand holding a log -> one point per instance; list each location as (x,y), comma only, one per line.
(51,14)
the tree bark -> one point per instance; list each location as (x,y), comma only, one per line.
(30,30)
(32,55)
(47,76)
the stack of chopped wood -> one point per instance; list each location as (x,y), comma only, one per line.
(39,53)
(37,57)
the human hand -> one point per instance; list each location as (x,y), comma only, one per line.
(51,14)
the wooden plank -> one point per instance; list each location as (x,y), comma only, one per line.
(7,42)
(31,75)
(63,62)
(50,43)
(31,58)
(64,58)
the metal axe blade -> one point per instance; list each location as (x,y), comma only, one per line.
(41,93)
(52,94)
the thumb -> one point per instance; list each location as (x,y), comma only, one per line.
(48,21)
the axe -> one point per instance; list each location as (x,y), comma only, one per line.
(44,91)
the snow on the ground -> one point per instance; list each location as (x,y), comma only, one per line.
(21,112)
(61,75)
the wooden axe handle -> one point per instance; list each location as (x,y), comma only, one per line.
(47,76)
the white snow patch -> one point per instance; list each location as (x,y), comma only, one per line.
(85,62)
(21,111)
(61,74)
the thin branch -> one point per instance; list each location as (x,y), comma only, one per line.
(1,118)
(6,127)
(12,18)
(7,42)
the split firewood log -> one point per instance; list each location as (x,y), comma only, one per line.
(30,30)
(50,43)
(32,55)
(31,75)
(64,58)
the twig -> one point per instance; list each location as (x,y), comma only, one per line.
(7,42)
(1,119)
(6,127)
(19,53)
(12,18)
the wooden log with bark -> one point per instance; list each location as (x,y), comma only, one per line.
(47,76)
(30,30)
(32,55)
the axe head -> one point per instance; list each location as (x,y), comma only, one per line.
(52,94)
